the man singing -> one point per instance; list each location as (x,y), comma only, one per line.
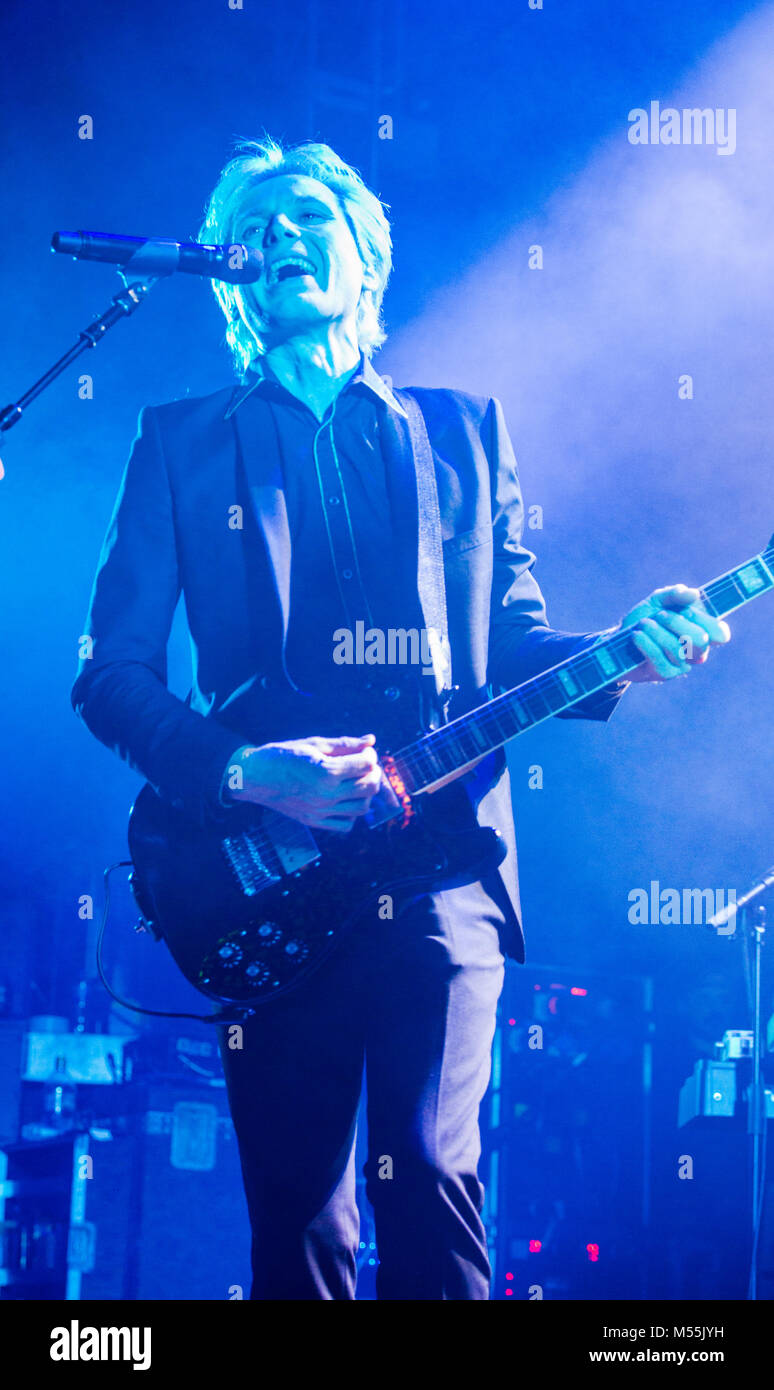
(285,511)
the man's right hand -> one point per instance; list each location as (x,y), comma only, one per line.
(323,782)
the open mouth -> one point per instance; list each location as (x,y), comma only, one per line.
(288,267)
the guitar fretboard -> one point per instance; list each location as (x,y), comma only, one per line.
(466,739)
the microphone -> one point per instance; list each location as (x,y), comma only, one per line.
(725,914)
(238,264)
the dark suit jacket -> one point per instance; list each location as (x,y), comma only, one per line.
(195,459)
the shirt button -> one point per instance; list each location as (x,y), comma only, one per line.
(346,574)
(334,501)
(392,692)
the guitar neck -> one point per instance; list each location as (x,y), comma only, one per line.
(460,744)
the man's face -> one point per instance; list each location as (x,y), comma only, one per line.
(313,272)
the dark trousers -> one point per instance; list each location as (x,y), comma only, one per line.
(415,1000)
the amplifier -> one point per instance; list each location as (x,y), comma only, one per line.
(566,1135)
(151,1208)
(709,1092)
(12,1033)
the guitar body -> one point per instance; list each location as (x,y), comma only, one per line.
(251,907)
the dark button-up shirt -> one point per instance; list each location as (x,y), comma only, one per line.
(346,566)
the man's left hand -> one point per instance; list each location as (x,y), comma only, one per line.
(674,632)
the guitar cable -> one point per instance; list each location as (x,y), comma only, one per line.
(217,1017)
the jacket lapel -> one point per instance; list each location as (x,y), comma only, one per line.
(401,481)
(257,443)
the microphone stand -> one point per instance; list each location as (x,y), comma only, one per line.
(123,305)
(753,931)
(154,260)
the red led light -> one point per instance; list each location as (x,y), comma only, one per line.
(511,1022)
(576,989)
(395,780)
(509,1276)
(509,1293)
(593,1253)
(535,1246)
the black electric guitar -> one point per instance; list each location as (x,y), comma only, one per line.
(251,906)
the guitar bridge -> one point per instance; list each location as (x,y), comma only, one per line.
(248,857)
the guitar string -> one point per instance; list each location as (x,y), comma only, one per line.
(486,719)
(490,719)
(419,758)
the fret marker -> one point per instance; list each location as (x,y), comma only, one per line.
(569,683)
(751,579)
(605,660)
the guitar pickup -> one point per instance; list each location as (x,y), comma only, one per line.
(293,843)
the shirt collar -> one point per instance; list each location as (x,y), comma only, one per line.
(369,377)
(365,376)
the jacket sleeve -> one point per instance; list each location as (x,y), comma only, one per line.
(521,643)
(120,691)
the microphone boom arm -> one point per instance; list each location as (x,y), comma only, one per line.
(122,305)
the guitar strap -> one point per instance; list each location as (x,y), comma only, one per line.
(431,584)
(431,587)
